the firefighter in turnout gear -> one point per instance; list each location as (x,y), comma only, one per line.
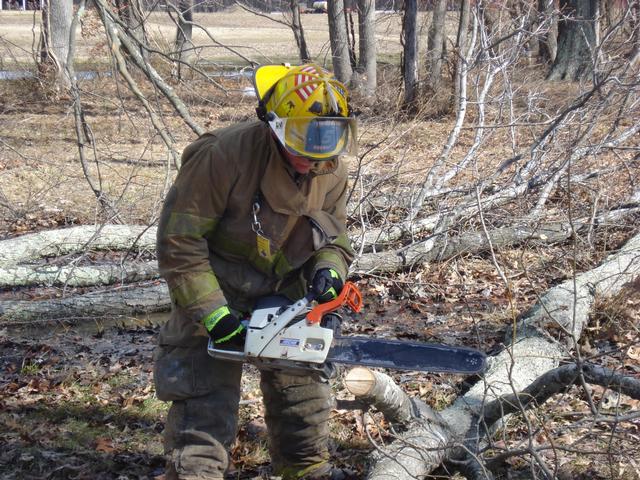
(257,209)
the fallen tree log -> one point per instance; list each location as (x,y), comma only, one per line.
(54,243)
(423,432)
(540,339)
(32,247)
(77,276)
(444,247)
(115,302)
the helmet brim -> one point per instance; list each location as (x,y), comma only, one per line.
(317,138)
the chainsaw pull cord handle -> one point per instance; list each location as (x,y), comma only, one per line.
(350,296)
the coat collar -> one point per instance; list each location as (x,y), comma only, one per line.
(280,188)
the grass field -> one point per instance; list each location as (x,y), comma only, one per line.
(264,38)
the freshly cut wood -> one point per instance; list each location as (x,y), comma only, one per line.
(423,428)
(380,391)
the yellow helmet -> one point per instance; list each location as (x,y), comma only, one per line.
(307,109)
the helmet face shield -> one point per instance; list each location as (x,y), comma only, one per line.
(316,138)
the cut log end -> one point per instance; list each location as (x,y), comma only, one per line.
(360,381)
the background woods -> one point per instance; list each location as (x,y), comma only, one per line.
(494,202)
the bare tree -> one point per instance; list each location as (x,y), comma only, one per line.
(547,41)
(298,32)
(461,44)
(132,19)
(367,63)
(635,28)
(576,40)
(525,175)
(184,35)
(436,43)
(339,41)
(55,40)
(410,52)
(294,23)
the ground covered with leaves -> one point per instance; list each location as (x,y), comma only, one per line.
(77,401)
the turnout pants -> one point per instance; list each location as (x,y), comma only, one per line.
(202,420)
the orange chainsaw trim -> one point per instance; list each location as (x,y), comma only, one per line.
(350,296)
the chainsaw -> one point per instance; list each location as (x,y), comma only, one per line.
(306,336)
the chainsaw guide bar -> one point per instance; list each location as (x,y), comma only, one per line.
(298,336)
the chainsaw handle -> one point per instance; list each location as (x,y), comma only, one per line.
(350,296)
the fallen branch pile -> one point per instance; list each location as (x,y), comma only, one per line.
(523,375)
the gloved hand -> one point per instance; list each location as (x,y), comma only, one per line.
(326,284)
(225,328)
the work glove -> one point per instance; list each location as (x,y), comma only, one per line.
(225,328)
(326,284)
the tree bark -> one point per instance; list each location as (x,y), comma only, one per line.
(435,43)
(368,55)
(77,276)
(111,303)
(635,28)
(548,42)
(410,52)
(298,32)
(576,40)
(184,35)
(53,243)
(339,41)
(57,17)
(380,391)
(443,247)
(461,45)
(130,12)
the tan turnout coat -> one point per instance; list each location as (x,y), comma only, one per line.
(208,251)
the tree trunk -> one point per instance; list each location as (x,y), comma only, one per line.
(380,391)
(77,276)
(442,248)
(298,32)
(635,26)
(435,43)
(368,56)
(339,41)
(548,41)
(52,243)
(55,50)
(184,34)
(461,45)
(410,52)
(131,14)
(351,38)
(576,40)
